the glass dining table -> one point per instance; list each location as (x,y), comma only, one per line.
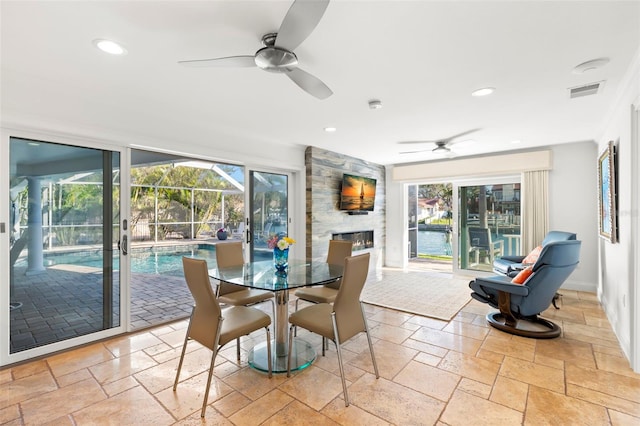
(262,275)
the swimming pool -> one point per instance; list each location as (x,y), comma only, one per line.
(149,260)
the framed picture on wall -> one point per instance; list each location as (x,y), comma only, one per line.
(607,194)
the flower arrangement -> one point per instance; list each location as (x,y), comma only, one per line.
(280,241)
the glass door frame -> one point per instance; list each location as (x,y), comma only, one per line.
(249,200)
(6,357)
(296,207)
(455,240)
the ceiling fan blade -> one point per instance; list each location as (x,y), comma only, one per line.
(445,141)
(309,83)
(458,135)
(229,61)
(414,142)
(414,152)
(303,16)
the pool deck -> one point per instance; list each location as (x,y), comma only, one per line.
(65,301)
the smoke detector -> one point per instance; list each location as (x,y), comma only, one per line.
(590,65)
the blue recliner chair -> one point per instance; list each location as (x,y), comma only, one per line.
(520,304)
(511,265)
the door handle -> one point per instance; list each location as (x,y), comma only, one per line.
(124,245)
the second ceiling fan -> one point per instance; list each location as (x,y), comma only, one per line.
(277,54)
(442,145)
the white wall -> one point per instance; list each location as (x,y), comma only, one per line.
(573,206)
(396,245)
(617,280)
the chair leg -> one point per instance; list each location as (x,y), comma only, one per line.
(295,329)
(238,349)
(206,391)
(339,350)
(289,351)
(269,352)
(184,350)
(504,305)
(366,327)
(213,361)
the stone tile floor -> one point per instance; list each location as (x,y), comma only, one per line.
(432,372)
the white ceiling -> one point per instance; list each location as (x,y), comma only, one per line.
(422,59)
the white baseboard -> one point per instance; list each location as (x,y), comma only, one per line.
(579,286)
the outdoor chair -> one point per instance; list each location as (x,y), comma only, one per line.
(480,241)
(229,255)
(521,299)
(239,232)
(342,320)
(338,251)
(212,327)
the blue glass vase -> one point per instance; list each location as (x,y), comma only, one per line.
(281,259)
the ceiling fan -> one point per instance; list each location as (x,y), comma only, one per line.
(277,54)
(442,145)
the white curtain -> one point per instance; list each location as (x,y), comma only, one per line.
(535,209)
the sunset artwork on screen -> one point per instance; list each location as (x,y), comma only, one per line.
(358,193)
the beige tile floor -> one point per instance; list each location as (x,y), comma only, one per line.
(432,372)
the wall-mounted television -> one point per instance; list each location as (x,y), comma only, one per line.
(358,193)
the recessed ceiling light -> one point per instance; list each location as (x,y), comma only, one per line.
(109,46)
(483,92)
(330,129)
(590,65)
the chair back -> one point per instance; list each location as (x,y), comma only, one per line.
(206,314)
(557,236)
(339,250)
(347,304)
(557,260)
(480,238)
(229,255)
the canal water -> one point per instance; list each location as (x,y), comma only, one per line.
(433,243)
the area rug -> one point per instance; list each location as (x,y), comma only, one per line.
(429,294)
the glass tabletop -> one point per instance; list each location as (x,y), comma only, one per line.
(262,274)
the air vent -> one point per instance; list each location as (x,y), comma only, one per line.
(586,90)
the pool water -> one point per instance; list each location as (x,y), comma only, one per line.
(152,260)
(169,262)
(164,260)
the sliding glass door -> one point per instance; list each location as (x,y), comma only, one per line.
(269,211)
(64,244)
(488,223)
